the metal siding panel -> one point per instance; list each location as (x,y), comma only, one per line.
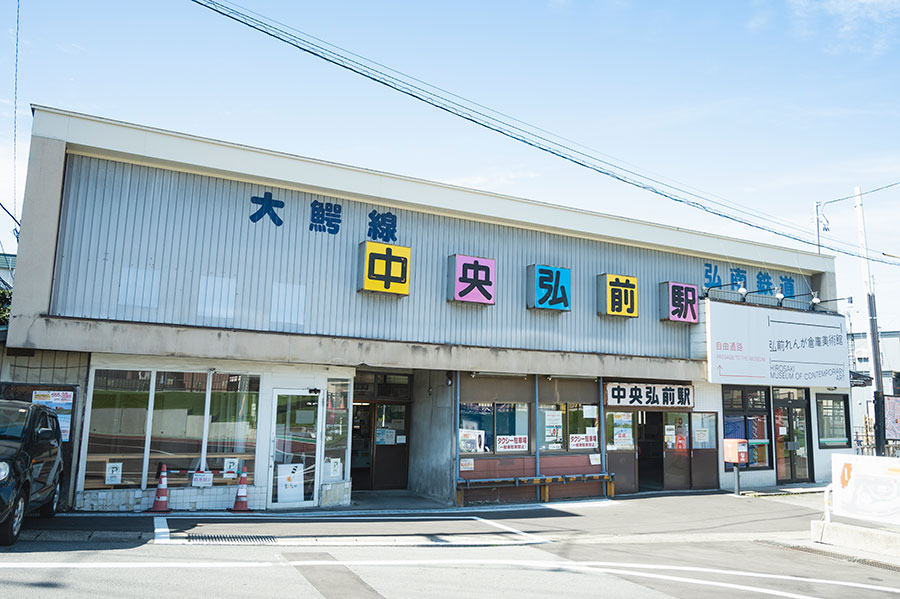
(176,230)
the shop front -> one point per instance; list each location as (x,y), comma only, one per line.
(381,430)
(657,441)
(515,428)
(779,371)
(209,422)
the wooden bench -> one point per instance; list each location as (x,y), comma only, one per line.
(542,481)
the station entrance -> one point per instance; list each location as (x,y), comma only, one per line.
(379,457)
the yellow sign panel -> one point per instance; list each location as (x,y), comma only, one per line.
(384,268)
(618,295)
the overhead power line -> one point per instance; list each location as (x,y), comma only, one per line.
(499,125)
(883,187)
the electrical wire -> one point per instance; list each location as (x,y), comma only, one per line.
(861,194)
(504,128)
(706,195)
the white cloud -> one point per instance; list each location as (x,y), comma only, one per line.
(866,26)
(493,179)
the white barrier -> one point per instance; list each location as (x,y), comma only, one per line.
(866,487)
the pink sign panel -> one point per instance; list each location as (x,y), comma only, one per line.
(472,279)
(680,301)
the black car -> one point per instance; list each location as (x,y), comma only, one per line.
(30,464)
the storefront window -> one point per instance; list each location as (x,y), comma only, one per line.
(337,423)
(619,431)
(512,427)
(476,427)
(551,427)
(232,424)
(746,416)
(115,454)
(833,421)
(583,430)
(176,430)
(703,427)
(118,428)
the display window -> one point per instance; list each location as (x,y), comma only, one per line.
(746,413)
(498,428)
(834,421)
(141,420)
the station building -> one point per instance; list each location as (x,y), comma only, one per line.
(215,307)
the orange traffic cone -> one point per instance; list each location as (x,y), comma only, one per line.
(240,500)
(161,503)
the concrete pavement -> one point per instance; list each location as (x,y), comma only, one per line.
(676,546)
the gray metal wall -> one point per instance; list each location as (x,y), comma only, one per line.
(153,245)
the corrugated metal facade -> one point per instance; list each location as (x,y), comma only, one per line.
(158,246)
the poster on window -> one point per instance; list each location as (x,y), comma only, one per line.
(553,434)
(583,441)
(113,473)
(512,443)
(290,482)
(471,441)
(622,438)
(61,402)
(892,417)
(385,436)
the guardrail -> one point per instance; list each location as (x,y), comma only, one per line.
(891,449)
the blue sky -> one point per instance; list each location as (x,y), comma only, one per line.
(768,104)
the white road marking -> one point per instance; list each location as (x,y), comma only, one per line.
(460,511)
(534,539)
(160,530)
(616,568)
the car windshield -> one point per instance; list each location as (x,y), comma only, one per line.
(12,422)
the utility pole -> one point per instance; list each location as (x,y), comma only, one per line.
(874,344)
(818,221)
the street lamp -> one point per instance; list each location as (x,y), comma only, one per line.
(742,290)
(816,301)
(779,294)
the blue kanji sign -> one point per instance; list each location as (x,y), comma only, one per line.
(382,226)
(549,287)
(325,217)
(267,205)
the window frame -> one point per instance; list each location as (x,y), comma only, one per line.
(845,399)
(746,412)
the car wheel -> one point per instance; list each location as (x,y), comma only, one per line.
(9,530)
(48,510)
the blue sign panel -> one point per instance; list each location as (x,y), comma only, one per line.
(549,287)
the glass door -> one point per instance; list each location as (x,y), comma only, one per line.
(676,454)
(704,451)
(791,443)
(295,476)
(621,450)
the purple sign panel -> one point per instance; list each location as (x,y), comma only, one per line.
(679,302)
(471,279)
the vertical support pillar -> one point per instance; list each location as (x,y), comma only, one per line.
(537,446)
(601,425)
(455,433)
(148,432)
(206,417)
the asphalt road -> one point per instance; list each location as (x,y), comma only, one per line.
(678,546)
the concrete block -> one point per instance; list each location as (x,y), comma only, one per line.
(861,538)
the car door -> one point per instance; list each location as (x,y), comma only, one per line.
(42,457)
